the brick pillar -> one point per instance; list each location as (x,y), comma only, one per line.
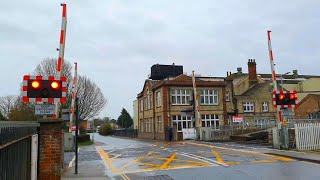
(50,149)
(225,115)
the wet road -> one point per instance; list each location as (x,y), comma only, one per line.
(132,159)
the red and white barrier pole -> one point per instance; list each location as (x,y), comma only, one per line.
(196,101)
(61,47)
(74,86)
(273,72)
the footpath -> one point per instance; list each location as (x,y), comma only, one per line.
(90,165)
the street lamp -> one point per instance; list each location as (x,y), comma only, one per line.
(282,79)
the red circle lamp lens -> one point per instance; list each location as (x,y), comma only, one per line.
(35,84)
(281,96)
(55,85)
(292,96)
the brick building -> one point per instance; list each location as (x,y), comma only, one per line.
(251,92)
(162,104)
(309,107)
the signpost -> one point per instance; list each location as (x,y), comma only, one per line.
(237,119)
(44,109)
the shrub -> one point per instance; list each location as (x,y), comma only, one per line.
(83,138)
(82,130)
(105,129)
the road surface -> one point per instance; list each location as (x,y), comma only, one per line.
(188,160)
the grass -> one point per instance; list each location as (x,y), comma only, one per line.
(86,143)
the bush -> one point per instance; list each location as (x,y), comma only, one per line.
(82,130)
(83,138)
(105,129)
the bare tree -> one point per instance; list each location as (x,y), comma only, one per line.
(91,99)
(7,103)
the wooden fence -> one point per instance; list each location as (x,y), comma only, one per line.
(307,136)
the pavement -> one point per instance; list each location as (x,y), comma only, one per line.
(119,158)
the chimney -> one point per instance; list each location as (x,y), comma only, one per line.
(239,70)
(252,69)
(295,73)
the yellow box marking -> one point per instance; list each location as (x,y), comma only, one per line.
(246,151)
(169,160)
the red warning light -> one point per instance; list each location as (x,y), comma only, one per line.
(35,84)
(281,96)
(55,85)
(292,96)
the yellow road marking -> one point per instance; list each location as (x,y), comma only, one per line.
(245,151)
(155,157)
(106,159)
(149,164)
(263,161)
(165,165)
(218,157)
(134,161)
(188,165)
(232,163)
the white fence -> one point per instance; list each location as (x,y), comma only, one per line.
(307,136)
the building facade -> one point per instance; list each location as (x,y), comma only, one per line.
(165,104)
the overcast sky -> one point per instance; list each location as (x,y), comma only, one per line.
(115,42)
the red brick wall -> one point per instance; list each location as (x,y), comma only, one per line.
(307,107)
(51,151)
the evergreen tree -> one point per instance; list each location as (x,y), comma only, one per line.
(125,120)
(2,118)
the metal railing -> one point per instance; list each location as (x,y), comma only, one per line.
(132,133)
(15,150)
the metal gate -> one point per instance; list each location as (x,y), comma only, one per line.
(18,151)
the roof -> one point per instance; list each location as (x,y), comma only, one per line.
(314,96)
(257,87)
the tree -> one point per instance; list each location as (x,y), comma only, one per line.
(7,103)
(22,112)
(105,129)
(125,120)
(2,118)
(91,99)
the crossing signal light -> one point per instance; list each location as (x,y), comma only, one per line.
(286,99)
(55,85)
(35,84)
(44,89)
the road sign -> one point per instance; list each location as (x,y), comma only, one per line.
(65,114)
(44,109)
(285,122)
(237,118)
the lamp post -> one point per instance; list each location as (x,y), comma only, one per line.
(282,79)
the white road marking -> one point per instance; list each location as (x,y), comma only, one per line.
(73,159)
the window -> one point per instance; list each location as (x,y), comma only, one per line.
(265,107)
(227,96)
(141,105)
(146,125)
(180,97)
(159,124)
(158,98)
(141,125)
(145,103)
(248,107)
(151,125)
(211,120)
(209,97)
(183,122)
